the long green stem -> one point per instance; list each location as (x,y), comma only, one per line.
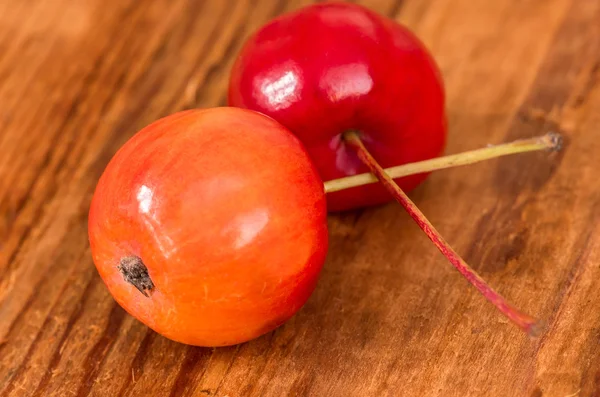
(550,141)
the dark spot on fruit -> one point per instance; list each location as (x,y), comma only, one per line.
(135,273)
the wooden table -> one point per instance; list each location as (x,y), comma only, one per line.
(390,317)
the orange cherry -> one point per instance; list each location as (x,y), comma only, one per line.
(209,226)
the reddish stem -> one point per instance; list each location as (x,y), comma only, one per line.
(527,323)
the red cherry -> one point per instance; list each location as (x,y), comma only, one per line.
(209,226)
(362,93)
(330,68)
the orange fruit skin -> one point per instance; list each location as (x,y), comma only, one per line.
(228,214)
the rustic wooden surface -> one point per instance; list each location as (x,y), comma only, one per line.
(390,317)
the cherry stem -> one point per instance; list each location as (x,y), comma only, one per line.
(527,323)
(550,141)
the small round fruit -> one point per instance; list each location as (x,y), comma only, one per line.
(209,226)
(330,68)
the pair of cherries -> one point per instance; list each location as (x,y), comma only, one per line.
(209,226)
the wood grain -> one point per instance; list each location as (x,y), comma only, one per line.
(389,317)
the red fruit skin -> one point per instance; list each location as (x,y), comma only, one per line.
(228,214)
(334,67)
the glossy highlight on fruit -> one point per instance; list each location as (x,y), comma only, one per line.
(330,68)
(209,226)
